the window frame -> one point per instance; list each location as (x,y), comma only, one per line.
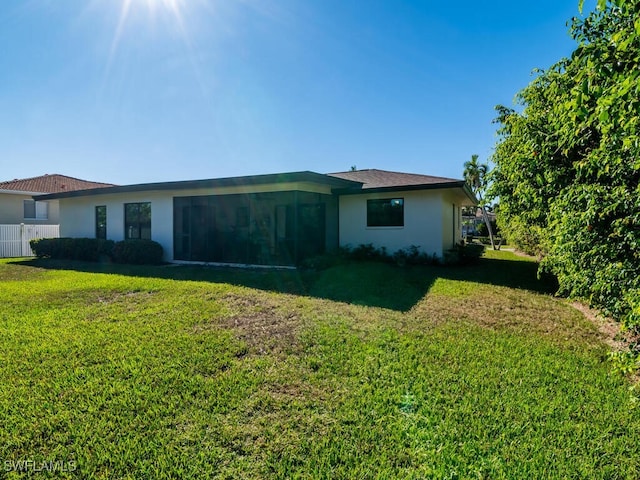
(136,224)
(379,217)
(101,227)
(37,212)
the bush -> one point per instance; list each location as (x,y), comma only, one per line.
(413,256)
(138,252)
(464,254)
(366,251)
(84,249)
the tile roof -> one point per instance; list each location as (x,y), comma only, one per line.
(373,178)
(53,183)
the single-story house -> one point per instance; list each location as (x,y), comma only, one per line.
(274,219)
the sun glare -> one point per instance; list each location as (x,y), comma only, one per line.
(172,10)
(170,17)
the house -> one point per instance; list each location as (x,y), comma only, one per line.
(472,219)
(18,206)
(274,219)
(22,218)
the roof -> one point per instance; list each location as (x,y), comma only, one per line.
(53,183)
(305,176)
(343,183)
(374,180)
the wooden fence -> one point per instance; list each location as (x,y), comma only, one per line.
(14,239)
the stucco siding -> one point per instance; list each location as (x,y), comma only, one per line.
(77,216)
(423,224)
(12,210)
(451,219)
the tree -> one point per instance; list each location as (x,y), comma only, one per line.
(475,175)
(567,165)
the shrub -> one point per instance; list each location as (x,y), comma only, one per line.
(85,249)
(138,252)
(464,254)
(413,256)
(366,251)
(141,252)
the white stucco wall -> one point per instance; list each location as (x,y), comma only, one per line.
(452,203)
(430,221)
(77,216)
(423,224)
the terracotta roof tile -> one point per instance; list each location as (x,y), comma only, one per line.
(373,178)
(53,183)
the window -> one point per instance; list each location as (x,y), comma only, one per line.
(137,221)
(36,210)
(101,222)
(388,212)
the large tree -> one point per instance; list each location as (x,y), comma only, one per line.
(568,163)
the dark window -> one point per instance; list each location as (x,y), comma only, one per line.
(137,221)
(101,222)
(388,212)
(36,210)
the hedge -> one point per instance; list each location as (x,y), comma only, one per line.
(141,252)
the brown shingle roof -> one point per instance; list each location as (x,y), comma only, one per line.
(53,183)
(373,178)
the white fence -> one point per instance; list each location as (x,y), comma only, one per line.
(14,239)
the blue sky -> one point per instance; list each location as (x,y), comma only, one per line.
(134,91)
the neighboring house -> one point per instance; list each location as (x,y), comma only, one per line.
(23,218)
(471,222)
(276,219)
(18,206)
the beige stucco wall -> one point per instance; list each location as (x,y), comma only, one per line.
(12,210)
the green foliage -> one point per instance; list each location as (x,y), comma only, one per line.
(137,252)
(483,231)
(568,165)
(140,252)
(85,249)
(464,254)
(411,255)
(475,175)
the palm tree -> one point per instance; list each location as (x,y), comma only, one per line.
(475,175)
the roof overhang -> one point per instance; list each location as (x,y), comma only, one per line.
(408,188)
(20,192)
(252,180)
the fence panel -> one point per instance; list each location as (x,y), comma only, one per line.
(14,239)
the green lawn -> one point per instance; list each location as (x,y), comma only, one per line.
(359,371)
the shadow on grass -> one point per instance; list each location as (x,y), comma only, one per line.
(362,283)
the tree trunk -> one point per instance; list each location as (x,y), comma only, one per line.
(488,224)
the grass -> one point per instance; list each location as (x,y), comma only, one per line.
(359,371)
